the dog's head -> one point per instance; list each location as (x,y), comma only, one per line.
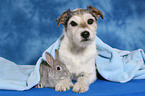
(80,24)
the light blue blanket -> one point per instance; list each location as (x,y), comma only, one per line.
(113,64)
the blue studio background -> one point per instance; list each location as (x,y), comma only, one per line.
(28,27)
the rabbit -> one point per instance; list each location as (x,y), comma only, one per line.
(52,71)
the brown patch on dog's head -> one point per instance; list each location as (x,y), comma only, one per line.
(95,12)
(64,17)
(83,25)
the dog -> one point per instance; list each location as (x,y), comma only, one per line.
(78,47)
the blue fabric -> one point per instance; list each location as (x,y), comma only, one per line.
(18,77)
(112,64)
(98,88)
(28,28)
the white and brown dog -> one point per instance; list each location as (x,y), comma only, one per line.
(78,47)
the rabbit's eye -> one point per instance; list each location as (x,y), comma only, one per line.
(58,68)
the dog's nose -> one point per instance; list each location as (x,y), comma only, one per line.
(85,34)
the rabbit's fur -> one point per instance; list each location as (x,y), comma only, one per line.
(52,71)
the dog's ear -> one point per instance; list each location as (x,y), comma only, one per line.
(62,18)
(95,12)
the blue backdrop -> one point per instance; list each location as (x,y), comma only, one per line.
(28,27)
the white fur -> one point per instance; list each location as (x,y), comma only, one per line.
(79,56)
(73,33)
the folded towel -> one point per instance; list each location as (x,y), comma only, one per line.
(18,77)
(113,64)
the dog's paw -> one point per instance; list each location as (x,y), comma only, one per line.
(39,86)
(63,86)
(80,88)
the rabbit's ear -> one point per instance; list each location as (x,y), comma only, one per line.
(49,59)
(56,54)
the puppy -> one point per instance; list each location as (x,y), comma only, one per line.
(78,47)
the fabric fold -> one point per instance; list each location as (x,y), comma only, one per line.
(113,64)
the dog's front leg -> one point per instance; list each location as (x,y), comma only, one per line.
(64,85)
(83,82)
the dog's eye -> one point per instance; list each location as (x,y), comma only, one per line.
(90,21)
(73,23)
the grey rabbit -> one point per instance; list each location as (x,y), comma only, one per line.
(52,71)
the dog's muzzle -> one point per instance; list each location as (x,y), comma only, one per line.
(85,35)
